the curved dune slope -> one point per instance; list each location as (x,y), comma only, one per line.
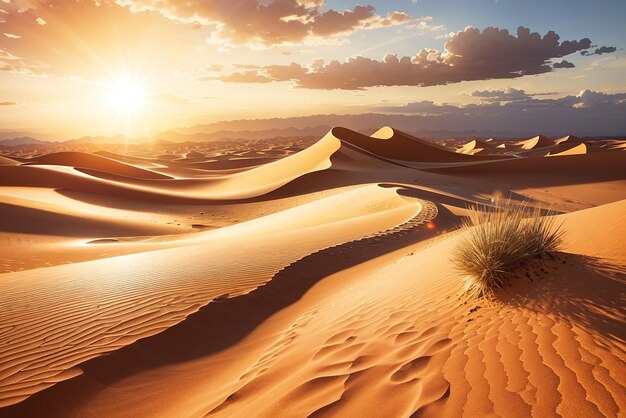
(100,174)
(51,219)
(538,141)
(403,341)
(341,306)
(269,177)
(563,148)
(476,146)
(110,177)
(8,161)
(567,168)
(398,337)
(97,163)
(393,144)
(55,318)
(568,138)
(470,148)
(572,149)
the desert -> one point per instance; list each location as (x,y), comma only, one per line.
(312,208)
(318,283)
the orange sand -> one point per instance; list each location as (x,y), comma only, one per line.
(256,281)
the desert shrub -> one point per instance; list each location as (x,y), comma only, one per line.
(499,238)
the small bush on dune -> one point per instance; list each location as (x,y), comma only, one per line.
(499,238)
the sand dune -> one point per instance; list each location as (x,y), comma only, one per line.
(398,347)
(476,146)
(7,161)
(567,138)
(538,141)
(50,219)
(563,148)
(470,148)
(573,149)
(569,168)
(396,336)
(261,279)
(154,291)
(621,145)
(393,144)
(105,175)
(96,163)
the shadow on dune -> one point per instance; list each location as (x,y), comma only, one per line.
(96,163)
(43,222)
(542,171)
(309,183)
(220,324)
(397,145)
(462,202)
(475,179)
(583,290)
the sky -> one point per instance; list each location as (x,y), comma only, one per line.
(72,68)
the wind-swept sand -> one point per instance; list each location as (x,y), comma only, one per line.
(318,282)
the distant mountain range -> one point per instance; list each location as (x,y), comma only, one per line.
(303,126)
(23,140)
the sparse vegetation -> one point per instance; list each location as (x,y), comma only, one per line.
(499,238)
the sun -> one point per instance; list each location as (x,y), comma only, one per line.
(126,95)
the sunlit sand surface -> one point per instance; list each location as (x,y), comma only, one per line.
(306,278)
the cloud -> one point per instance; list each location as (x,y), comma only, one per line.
(503,99)
(469,55)
(215,68)
(392,19)
(605,50)
(600,51)
(594,99)
(8,103)
(333,22)
(507,95)
(242,77)
(563,64)
(19,67)
(6,55)
(85,39)
(516,110)
(268,22)
(247,66)
(423,24)
(446,35)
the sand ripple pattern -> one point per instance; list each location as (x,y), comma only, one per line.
(421,347)
(55,318)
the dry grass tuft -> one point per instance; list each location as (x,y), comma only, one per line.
(499,238)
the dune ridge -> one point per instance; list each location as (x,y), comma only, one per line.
(387,345)
(103,174)
(402,339)
(169,295)
(396,145)
(96,163)
(310,282)
(539,141)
